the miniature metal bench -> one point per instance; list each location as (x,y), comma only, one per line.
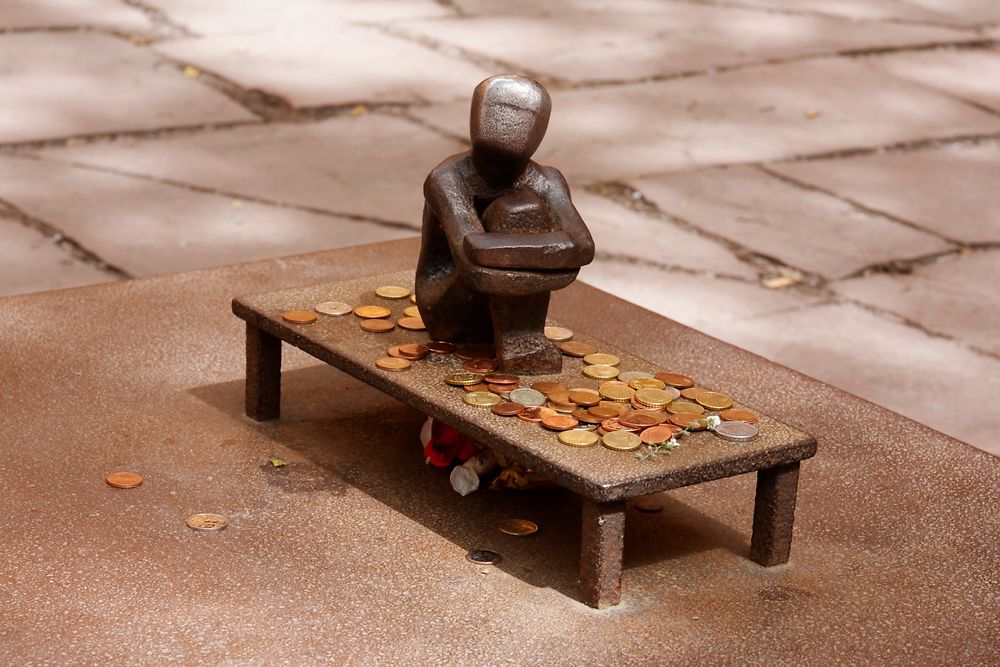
(604,479)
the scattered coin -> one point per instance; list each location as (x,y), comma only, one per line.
(558,334)
(578,438)
(519,527)
(648,504)
(531,398)
(123,480)
(393,351)
(583,415)
(601,371)
(207,522)
(612,424)
(690,421)
(413,298)
(547,387)
(482,399)
(618,393)
(413,351)
(603,412)
(501,390)
(392,292)
(584,397)
(392,364)
(657,435)
(653,398)
(601,359)
(479,386)
(621,441)
(480,365)
(461,379)
(713,400)
(679,407)
(675,379)
(739,415)
(534,415)
(628,376)
(441,347)
(648,383)
(411,311)
(501,378)
(299,316)
(576,348)
(658,415)
(636,420)
(475,352)
(333,308)
(377,326)
(508,409)
(483,557)
(411,323)
(691,393)
(372,312)
(559,422)
(738,431)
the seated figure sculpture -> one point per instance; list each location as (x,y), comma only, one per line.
(500,233)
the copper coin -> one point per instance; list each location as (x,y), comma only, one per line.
(636,420)
(659,416)
(501,378)
(413,351)
(534,414)
(501,389)
(479,386)
(123,480)
(372,312)
(691,393)
(688,420)
(393,351)
(207,522)
(560,408)
(657,435)
(648,504)
(411,311)
(480,365)
(584,397)
(584,415)
(475,352)
(612,425)
(518,527)
(675,379)
(562,399)
(411,323)
(507,409)
(603,412)
(559,422)
(739,415)
(392,364)
(441,347)
(547,386)
(577,349)
(299,316)
(377,326)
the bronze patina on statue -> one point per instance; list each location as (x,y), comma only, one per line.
(500,232)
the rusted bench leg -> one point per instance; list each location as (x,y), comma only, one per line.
(601,553)
(774,514)
(263,390)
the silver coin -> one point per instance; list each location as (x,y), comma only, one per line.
(483,557)
(738,431)
(628,376)
(333,308)
(586,427)
(531,398)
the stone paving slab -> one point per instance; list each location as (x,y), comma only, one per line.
(373,165)
(853,9)
(955,296)
(113,14)
(147,228)
(748,116)
(972,12)
(967,75)
(614,43)
(32,262)
(947,190)
(801,228)
(67,84)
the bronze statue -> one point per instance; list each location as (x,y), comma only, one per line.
(500,232)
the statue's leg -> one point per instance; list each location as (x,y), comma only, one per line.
(453,312)
(518,334)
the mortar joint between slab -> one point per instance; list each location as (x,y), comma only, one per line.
(160,19)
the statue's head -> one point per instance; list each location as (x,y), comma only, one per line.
(509,117)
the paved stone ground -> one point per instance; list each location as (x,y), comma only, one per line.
(816,182)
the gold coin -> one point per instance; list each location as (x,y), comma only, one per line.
(576,349)
(646,383)
(618,393)
(462,379)
(713,400)
(601,359)
(393,363)
(299,316)
(600,371)
(123,480)
(411,311)
(207,522)
(411,323)
(333,308)
(578,438)
(413,298)
(621,441)
(392,292)
(519,527)
(684,407)
(372,312)
(584,397)
(654,398)
(692,392)
(482,399)
(558,334)
(377,326)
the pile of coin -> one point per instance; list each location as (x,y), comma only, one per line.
(373,318)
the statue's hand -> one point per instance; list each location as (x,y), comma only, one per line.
(547,251)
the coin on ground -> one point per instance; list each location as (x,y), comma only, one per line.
(578,438)
(519,527)
(333,308)
(584,397)
(547,387)
(621,441)
(657,435)
(739,415)
(508,409)
(601,359)
(207,522)
(413,351)
(441,347)
(713,400)
(411,311)
(601,371)
(648,504)
(377,326)
(393,363)
(531,398)
(738,431)
(461,379)
(411,323)
(392,292)
(372,312)
(123,480)
(576,348)
(559,422)
(483,557)
(482,399)
(558,334)
(299,316)
(675,379)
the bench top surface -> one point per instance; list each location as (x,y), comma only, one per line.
(595,472)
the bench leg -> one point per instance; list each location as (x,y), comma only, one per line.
(774,514)
(601,553)
(263,389)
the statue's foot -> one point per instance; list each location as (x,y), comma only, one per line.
(528,354)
